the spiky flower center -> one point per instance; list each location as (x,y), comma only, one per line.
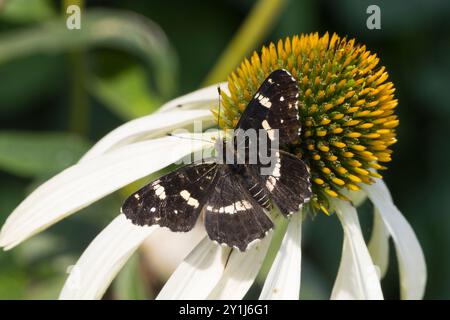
(346,108)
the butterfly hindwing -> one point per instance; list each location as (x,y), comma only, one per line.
(174,200)
(288,182)
(274,106)
(232,216)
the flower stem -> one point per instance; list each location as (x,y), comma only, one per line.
(252,31)
(79,105)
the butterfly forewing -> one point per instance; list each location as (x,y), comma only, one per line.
(174,200)
(274,106)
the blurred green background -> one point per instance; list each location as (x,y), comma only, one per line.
(61,90)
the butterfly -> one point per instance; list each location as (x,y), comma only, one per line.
(234,199)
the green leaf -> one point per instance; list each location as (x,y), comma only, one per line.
(37,75)
(30,154)
(128,284)
(26,11)
(127,31)
(127,94)
(314,281)
(11,194)
(13,282)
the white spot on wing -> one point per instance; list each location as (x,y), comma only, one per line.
(190,201)
(276,170)
(160,191)
(193,202)
(270,183)
(235,207)
(185,194)
(246,204)
(269,130)
(265,102)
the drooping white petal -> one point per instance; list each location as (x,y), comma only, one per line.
(356,197)
(147,127)
(103,259)
(241,270)
(283,280)
(198,274)
(86,182)
(411,261)
(202,98)
(379,244)
(357,276)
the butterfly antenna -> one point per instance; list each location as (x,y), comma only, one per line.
(189,138)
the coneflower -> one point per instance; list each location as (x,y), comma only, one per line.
(346,108)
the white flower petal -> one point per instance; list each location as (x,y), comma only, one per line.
(357,276)
(103,259)
(84,183)
(241,270)
(356,197)
(283,280)
(198,274)
(145,128)
(379,244)
(412,267)
(173,114)
(202,98)
(165,250)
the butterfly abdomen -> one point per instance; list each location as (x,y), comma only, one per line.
(255,189)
